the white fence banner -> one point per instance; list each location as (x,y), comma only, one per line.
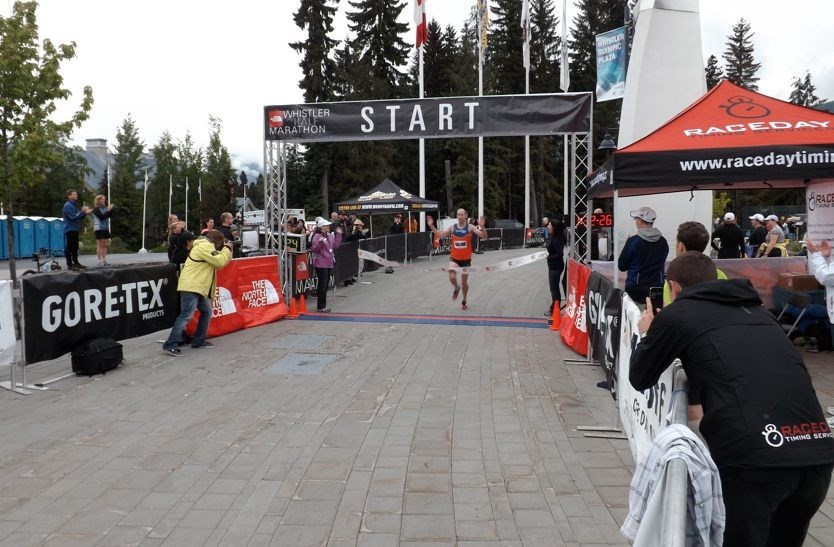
(643,413)
(6,323)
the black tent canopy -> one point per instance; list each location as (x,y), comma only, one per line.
(386,197)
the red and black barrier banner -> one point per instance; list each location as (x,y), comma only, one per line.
(573,328)
(248,294)
(448,117)
(603,309)
(63,310)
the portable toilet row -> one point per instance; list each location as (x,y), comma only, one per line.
(32,234)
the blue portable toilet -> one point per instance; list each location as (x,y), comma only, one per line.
(24,237)
(4,242)
(56,236)
(41,233)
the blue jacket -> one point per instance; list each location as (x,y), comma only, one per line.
(644,258)
(72,216)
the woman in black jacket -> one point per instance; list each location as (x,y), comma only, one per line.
(556,243)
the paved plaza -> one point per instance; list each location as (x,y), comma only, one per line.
(382,431)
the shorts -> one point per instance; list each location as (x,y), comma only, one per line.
(102,234)
(460,263)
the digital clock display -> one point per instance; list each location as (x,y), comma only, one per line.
(604,220)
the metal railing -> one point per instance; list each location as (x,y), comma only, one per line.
(673,524)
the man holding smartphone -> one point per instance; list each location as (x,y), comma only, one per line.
(197,287)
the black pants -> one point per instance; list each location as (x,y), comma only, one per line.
(71,249)
(553,275)
(772,507)
(323,275)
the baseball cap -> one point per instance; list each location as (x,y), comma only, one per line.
(645,214)
(187,236)
(321,222)
(772,217)
(729,217)
(758,216)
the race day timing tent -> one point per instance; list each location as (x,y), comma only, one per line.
(730,137)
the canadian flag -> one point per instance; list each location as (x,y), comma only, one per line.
(420,21)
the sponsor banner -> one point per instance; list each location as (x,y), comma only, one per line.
(604,304)
(448,117)
(63,310)
(7,339)
(346,264)
(419,244)
(248,294)
(820,200)
(302,273)
(643,413)
(612,49)
(374,245)
(573,328)
(535,236)
(395,247)
(365,255)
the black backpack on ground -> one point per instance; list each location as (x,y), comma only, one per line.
(96,356)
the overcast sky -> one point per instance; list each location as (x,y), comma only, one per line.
(173,63)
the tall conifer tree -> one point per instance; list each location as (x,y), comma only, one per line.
(740,65)
(713,72)
(127,197)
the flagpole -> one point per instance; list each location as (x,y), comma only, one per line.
(144,204)
(108,195)
(186,203)
(422,149)
(481,34)
(170,192)
(526,53)
(200,188)
(564,84)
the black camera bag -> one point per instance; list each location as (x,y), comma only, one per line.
(96,356)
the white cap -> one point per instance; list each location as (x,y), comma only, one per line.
(758,216)
(772,217)
(646,214)
(729,217)
(322,222)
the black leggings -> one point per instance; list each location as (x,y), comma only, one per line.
(553,275)
(323,275)
(71,251)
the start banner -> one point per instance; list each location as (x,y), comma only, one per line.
(573,329)
(62,310)
(248,294)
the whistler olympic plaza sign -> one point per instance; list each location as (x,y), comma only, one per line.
(447,117)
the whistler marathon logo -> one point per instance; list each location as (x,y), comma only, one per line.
(745,108)
(297,121)
(777,436)
(820,201)
(89,305)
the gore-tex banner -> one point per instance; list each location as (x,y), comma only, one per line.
(448,117)
(604,304)
(62,310)
(573,329)
(248,294)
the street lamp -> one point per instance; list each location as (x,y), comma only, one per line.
(607,145)
(143,250)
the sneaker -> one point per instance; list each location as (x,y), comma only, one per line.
(464,306)
(324,310)
(80,267)
(206,344)
(176,352)
(456,292)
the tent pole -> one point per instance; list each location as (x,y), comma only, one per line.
(616,242)
(406,238)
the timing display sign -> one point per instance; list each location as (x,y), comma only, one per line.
(448,117)
(600,220)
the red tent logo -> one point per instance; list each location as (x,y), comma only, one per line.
(744,107)
(275,118)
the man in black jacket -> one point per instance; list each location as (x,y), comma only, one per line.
(762,420)
(643,256)
(731,238)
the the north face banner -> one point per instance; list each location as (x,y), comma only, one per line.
(248,294)
(604,304)
(574,330)
(62,310)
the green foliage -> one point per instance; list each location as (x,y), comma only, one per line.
(803,92)
(126,185)
(713,73)
(31,85)
(740,65)
(317,67)
(218,180)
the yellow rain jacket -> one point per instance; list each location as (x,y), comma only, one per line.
(199,273)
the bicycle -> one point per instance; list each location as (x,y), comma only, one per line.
(45,261)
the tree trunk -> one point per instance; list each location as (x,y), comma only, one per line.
(13,264)
(324,197)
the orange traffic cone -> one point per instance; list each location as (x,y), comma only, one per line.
(555,317)
(302,305)
(293,310)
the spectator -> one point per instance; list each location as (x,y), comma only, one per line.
(762,421)
(758,236)
(775,238)
(397,226)
(101,228)
(643,256)
(822,267)
(595,233)
(546,231)
(692,236)
(557,240)
(358,232)
(731,238)
(72,218)
(175,228)
(344,223)
(208,225)
(412,226)
(182,246)
(323,248)
(231,233)
(196,287)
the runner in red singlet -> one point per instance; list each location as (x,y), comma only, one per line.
(462,247)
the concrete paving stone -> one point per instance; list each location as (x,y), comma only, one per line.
(143,518)
(339,471)
(389,473)
(386,488)
(469,480)
(91,523)
(300,536)
(202,518)
(39,524)
(310,513)
(428,527)
(527,500)
(425,503)
(353,501)
(341,542)
(124,536)
(311,490)
(540,536)
(377,504)
(186,537)
(614,496)
(470,495)
(16,539)
(476,530)
(430,482)
(533,518)
(215,502)
(70,540)
(377,540)
(160,500)
(381,523)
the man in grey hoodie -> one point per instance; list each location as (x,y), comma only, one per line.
(643,256)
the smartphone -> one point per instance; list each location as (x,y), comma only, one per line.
(656,296)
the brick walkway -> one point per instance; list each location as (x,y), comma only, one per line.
(334,433)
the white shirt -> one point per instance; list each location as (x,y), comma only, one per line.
(823,269)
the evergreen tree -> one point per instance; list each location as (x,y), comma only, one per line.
(504,70)
(46,195)
(803,92)
(186,181)
(317,67)
(218,178)
(740,65)
(378,45)
(713,73)
(159,189)
(243,182)
(126,222)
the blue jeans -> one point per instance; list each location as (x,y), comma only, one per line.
(189,302)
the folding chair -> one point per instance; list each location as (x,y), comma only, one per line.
(801,301)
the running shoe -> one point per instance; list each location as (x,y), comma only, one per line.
(176,352)
(206,344)
(464,306)
(456,292)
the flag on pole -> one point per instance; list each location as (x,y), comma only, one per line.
(564,73)
(200,189)
(525,32)
(420,21)
(483,23)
